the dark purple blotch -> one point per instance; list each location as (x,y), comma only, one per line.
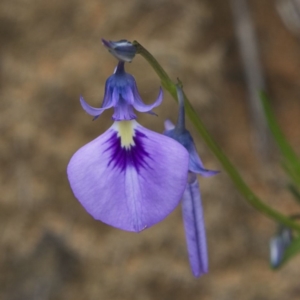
(122,157)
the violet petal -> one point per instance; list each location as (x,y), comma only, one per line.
(196,165)
(93,111)
(184,138)
(140,106)
(194,227)
(129,177)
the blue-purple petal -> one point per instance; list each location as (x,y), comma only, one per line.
(196,165)
(127,94)
(127,183)
(123,111)
(140,106)
(183,137)
(195,227)
(108,101)
(93,111)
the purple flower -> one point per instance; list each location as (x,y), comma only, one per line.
(191,203)
(121,93)
(129,177)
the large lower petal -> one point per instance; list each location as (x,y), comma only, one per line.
(129,177)
(194,227)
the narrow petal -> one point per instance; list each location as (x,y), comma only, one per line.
(93,111)
(129,177)
(195,163)
(109,100)
(140,106)
(194,227)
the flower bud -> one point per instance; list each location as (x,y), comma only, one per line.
(123,50)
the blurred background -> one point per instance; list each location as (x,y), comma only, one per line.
(50,53)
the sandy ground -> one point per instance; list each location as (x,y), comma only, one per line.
(50,53)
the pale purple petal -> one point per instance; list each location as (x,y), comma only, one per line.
(129,183)
(93,111)
(140,106)
(195,227)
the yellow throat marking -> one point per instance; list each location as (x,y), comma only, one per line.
(126,133)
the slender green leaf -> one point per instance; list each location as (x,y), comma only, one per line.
(291,172)
(295,192)
(292,250)
(291,161)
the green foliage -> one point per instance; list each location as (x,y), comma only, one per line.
(295,192)
(291,165)
(291,162)
(292,250)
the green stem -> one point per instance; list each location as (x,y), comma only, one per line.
(251,198)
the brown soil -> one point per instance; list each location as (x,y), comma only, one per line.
(51,53)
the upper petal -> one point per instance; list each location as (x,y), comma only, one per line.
(111,96)
(140,106)
(93,111)
(129,177)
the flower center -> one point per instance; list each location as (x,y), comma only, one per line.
(126,133)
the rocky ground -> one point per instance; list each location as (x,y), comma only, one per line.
(51,53)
